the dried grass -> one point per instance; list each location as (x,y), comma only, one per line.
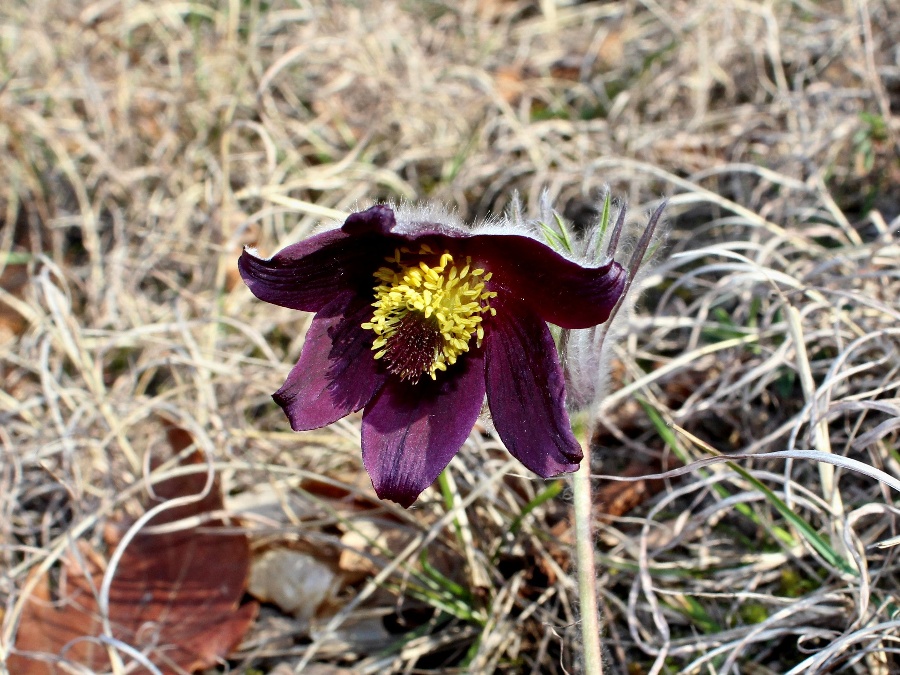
(144,143)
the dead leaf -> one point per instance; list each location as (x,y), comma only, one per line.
(615,499)
(510,83)
(368,541)
(489,10)
(174,597)
(611,51)
(13,279)
(567,68)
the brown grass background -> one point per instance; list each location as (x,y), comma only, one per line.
(143,143)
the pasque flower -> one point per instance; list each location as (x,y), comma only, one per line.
(415,321)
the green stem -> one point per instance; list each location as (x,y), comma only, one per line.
(587,569)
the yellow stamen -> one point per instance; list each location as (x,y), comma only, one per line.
(427,315)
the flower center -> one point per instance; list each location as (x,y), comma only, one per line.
(426,315)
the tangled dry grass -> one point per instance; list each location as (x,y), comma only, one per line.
(143,143)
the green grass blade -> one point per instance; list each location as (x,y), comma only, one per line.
(668,435)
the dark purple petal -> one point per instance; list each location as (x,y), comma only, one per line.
(337,372)
(526,392)
(558,290)
(378,219)
(314,272)
(410,432)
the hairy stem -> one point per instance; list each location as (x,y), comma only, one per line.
(587,570)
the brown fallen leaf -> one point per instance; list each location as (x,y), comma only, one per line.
(615,499)
(174,597)
(492,9)
(510,83)
(13,280)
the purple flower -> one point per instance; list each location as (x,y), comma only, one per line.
(415,322)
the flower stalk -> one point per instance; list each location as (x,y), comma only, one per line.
(587,568)
(586,392)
